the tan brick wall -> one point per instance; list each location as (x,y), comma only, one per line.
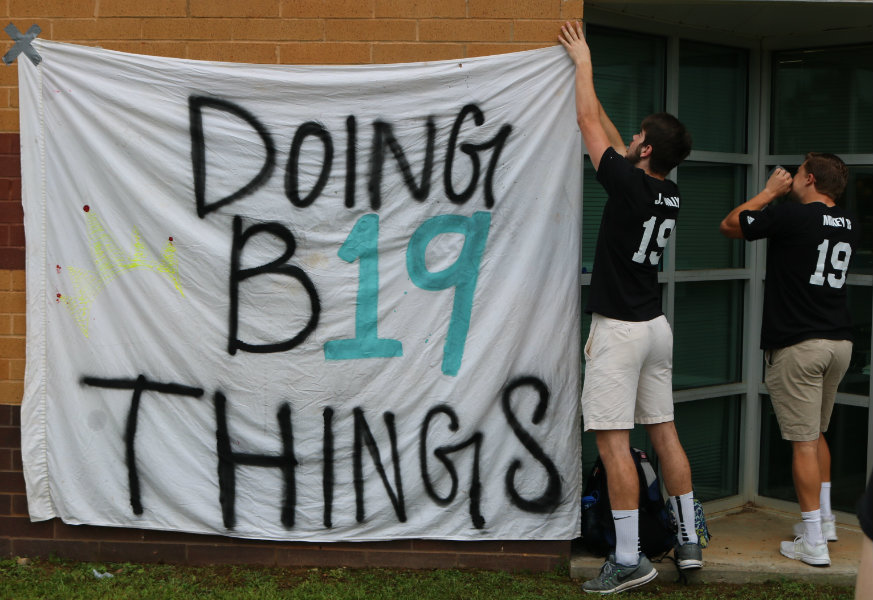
(255,31)
(287,31)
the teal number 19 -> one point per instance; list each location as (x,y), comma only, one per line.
(462,275)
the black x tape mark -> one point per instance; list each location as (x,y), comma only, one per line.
(22,44)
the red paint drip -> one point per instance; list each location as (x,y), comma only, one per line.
(86,208)
(58,267)
(171,238)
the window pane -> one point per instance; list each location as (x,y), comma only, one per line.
(859,200)
(708,192)
(628,76)
(707,331)
(846,434)
(823,100)
(774,475)
(710,431)
(857,379)
(713,92)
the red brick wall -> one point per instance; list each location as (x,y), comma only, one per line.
(261,31)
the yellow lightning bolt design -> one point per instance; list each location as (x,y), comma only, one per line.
(111,262)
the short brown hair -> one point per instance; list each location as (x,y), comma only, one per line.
(830,172)
(670,142)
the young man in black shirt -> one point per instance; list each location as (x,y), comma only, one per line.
(806,328)
(629,352)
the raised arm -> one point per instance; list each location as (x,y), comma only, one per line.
(589,113)
(777,186)
(612,133)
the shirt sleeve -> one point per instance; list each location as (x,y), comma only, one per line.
(757,224)
(613,172)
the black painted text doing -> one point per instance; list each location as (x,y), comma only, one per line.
(383,142)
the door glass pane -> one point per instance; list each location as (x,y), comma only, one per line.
(822,100)
(846,434)
(713,92)
(710,431)
(847,438)
(628,75)
(708,193)
(859,200)
(857,379)
(774,475)
(707,333)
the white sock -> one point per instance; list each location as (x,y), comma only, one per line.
(825,501)
(627,536)
(683,508)
(812,527)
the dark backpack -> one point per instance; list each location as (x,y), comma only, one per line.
(598,532)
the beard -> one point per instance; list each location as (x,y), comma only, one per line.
(633,156)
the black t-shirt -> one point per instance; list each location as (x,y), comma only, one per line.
(639,216)
(807,265)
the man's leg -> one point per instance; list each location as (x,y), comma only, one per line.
(612,366)
(824,499)
(807,484)
(864,580)
(677,479)
(807,476)
(828,527)
(824,458)
(628,568)
(671,457)
(655,410)
(624,492)
(794,379)
(809,547)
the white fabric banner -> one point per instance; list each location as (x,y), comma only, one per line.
(310,303)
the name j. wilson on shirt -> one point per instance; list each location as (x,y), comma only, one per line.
(668,200)
(830,221)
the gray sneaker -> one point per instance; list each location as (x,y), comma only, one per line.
(688,556)
(615,578)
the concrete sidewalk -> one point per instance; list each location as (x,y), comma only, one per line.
(745,549)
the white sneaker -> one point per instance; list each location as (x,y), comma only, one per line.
(828,530)
(811,555)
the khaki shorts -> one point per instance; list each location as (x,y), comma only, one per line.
(628,373)
(803,381)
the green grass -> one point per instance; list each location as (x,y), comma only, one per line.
(53,578)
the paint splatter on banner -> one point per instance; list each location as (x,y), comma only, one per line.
(310,303)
